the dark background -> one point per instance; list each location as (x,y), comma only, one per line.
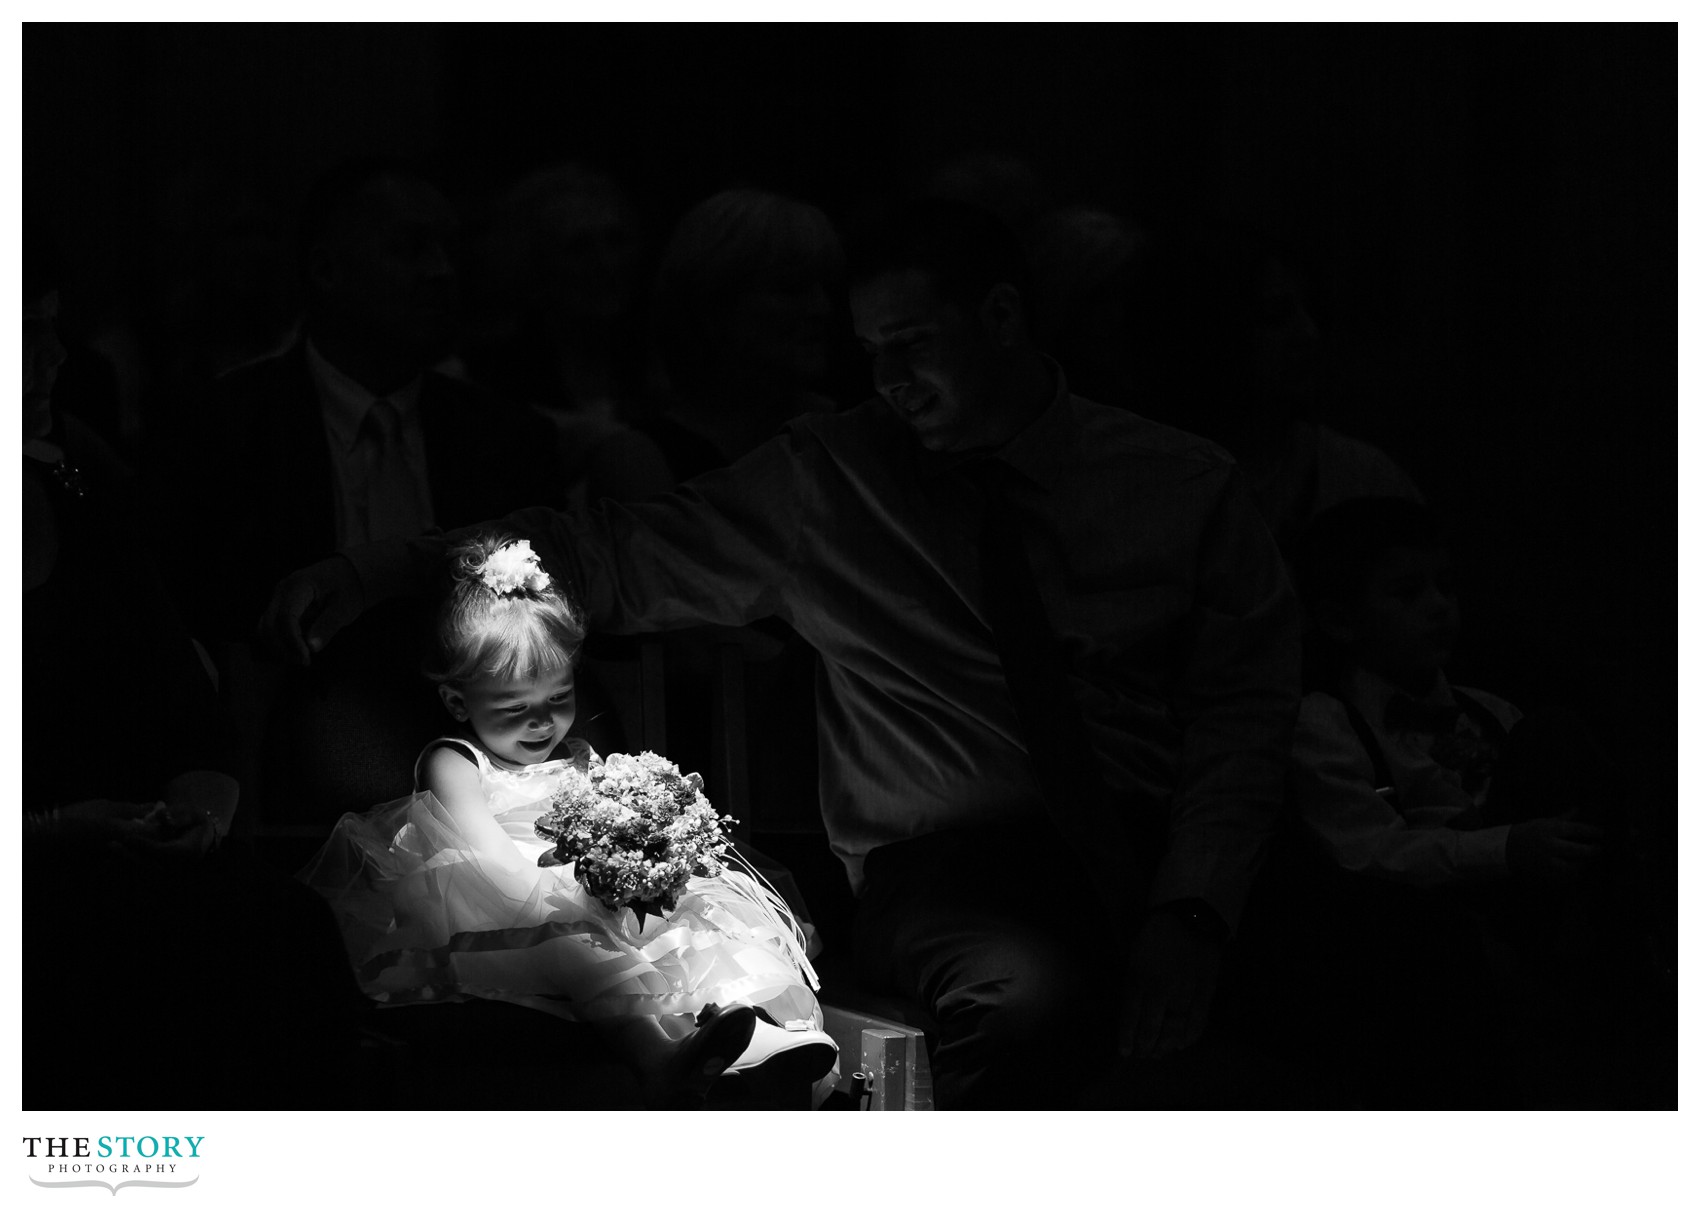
(1487,215)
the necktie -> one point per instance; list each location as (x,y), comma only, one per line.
(1035,667)
(390,494)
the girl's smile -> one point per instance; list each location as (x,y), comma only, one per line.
(518,720)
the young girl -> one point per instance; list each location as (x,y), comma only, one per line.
(441,897)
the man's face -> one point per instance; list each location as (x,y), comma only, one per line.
(935,363)
(385,268)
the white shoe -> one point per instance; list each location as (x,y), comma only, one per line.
(800,1050)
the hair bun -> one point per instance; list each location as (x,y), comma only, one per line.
(466,559)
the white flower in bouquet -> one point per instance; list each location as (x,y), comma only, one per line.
(636,829)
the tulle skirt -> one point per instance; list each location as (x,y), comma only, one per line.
(435,907)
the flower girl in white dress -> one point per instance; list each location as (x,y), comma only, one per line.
(441,896)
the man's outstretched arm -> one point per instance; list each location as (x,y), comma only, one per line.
(717,550)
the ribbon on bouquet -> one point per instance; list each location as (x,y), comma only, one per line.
(741,876)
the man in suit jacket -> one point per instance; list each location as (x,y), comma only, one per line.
(348,436)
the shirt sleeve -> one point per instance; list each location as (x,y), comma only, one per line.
(1336,797)
(1235,696)
(397,568)
(719,550)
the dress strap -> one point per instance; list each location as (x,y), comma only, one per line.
(580,753)
(473,751)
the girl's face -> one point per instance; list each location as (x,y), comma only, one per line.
(518,720)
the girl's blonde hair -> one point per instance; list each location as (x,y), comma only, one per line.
(479,632)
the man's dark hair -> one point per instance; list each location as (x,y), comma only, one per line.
(331,192)
(1336,550)
(965,249)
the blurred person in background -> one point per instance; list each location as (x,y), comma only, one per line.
(1224,344)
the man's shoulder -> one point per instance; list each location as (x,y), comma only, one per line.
(871,415)
(1139,436)
(870,423)
(1115,433)
(1324,710)
(1097,432)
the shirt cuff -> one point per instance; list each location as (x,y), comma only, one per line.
(1484,856)
(1175,883)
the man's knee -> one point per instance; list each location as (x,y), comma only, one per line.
(1019,996)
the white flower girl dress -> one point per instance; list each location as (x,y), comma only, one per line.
(436,906)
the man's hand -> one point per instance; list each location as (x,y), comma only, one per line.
(195,813)
(175,831)
(311,605)
(1171,982)
(1550,849)
(115,823)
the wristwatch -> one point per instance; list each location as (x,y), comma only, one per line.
(1197,915)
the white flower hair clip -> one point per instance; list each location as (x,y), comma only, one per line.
(513,569)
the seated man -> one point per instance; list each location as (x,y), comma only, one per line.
(1059,663)
(347,437)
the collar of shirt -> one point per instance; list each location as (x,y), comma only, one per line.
(345,402)
(1372,693)
(1039,452)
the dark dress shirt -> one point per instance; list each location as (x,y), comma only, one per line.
(1157,575)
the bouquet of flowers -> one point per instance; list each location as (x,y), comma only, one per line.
(637,829)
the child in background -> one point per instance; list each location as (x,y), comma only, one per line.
(441,897)
(1464,846)
(1396,767)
